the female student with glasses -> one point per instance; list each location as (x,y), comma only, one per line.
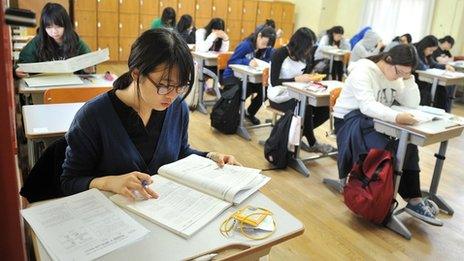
(55,40)
(371,88)
(120,138)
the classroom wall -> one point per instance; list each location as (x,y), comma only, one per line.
(319,15)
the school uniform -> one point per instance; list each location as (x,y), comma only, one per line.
(337,68)
(444,99)
(107,137)
(367,94)
(243,54)
(284,69)
(210,43)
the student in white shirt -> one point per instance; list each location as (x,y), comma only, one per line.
(212,37)
(293,63)
(333,39)
(370,45)
(370,90)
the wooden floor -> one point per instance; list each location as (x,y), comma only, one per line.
(332,232)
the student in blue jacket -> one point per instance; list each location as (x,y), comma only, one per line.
(257,45)
(120,138)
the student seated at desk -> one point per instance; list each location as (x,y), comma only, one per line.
(404,39)
(55,40)
(212,37)
(120,138)
(371,44)
(167,20)
(271,23)
(425,49)
(292,63)
(333,39)
(370,89)
(186,29)
(257,45)
(442,54)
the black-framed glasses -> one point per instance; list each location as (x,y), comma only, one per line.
(162,89)
(400,73)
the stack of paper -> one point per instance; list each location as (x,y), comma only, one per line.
(53,80)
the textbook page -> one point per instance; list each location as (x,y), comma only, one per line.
(53,80)
(69,65)
(231,183)
(84,226)
(180,209)
(446,73)
(425,114)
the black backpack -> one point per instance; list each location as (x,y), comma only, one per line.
(275,148)
(225,116)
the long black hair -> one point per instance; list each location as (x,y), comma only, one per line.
(265,31)
(215,24)
(402,54)
(428,41)
(300,44)
(448,39)
(184,23)
(48,49)
(408,37)
(335,30)
(159,47)
(168,17)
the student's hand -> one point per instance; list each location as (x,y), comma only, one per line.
(279,33)
(126,184)
(20,73)
(304,78)
(405,118)
(222,159)
(221,34)
(449,68)
(253,63)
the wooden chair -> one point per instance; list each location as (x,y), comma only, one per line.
(275,112)
(70,95)
(332,100)
(346,61)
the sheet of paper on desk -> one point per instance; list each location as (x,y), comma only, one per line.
(440,72)
(69,65)
(53,80)
(84,226)
(424,113)
(261,64)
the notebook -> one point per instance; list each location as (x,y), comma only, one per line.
(53,80)
(425,114)
(192,192)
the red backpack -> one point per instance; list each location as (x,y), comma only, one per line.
(370,187)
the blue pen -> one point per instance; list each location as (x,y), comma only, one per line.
(144,183)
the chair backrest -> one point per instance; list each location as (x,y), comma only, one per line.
(333,97)
(70,95)
(222,60)
(346,58)
(265,79)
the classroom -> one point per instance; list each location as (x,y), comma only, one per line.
(232,129)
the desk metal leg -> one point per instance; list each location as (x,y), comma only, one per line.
(331,66)
(336,184)
(432,193)
(298,165)
(241,130)
(296,162)
(433,90)
(31,152)
(394,223)
(201,81)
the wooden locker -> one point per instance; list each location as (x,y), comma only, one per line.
(149,7)
(167,3)
(128,25)
(129,6)
(125,44)
(107,5)
(185,7)
(107,24)
(203,9)
(145,22)
(219,8)
(287,29)
(112,44)
(288,13)
(248,27)
(91,41)
(249,11)
(234,29)
(85,5)
(234,10)
(85,23)
(263,13)
(276,13)
(202,22)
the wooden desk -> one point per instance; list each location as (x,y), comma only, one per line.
(439,77)
(162,244)
(316,99)
(46,121)
(37,92)
(420,135)
(246,74)
(334,54)
(203,59)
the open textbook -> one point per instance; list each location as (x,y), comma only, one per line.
(70,65)
(84,226)
(425,114)
(192,192)
(446,73)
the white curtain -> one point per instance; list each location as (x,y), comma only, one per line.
(390,18)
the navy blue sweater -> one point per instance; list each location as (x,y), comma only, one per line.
(98,144)
(243,54)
